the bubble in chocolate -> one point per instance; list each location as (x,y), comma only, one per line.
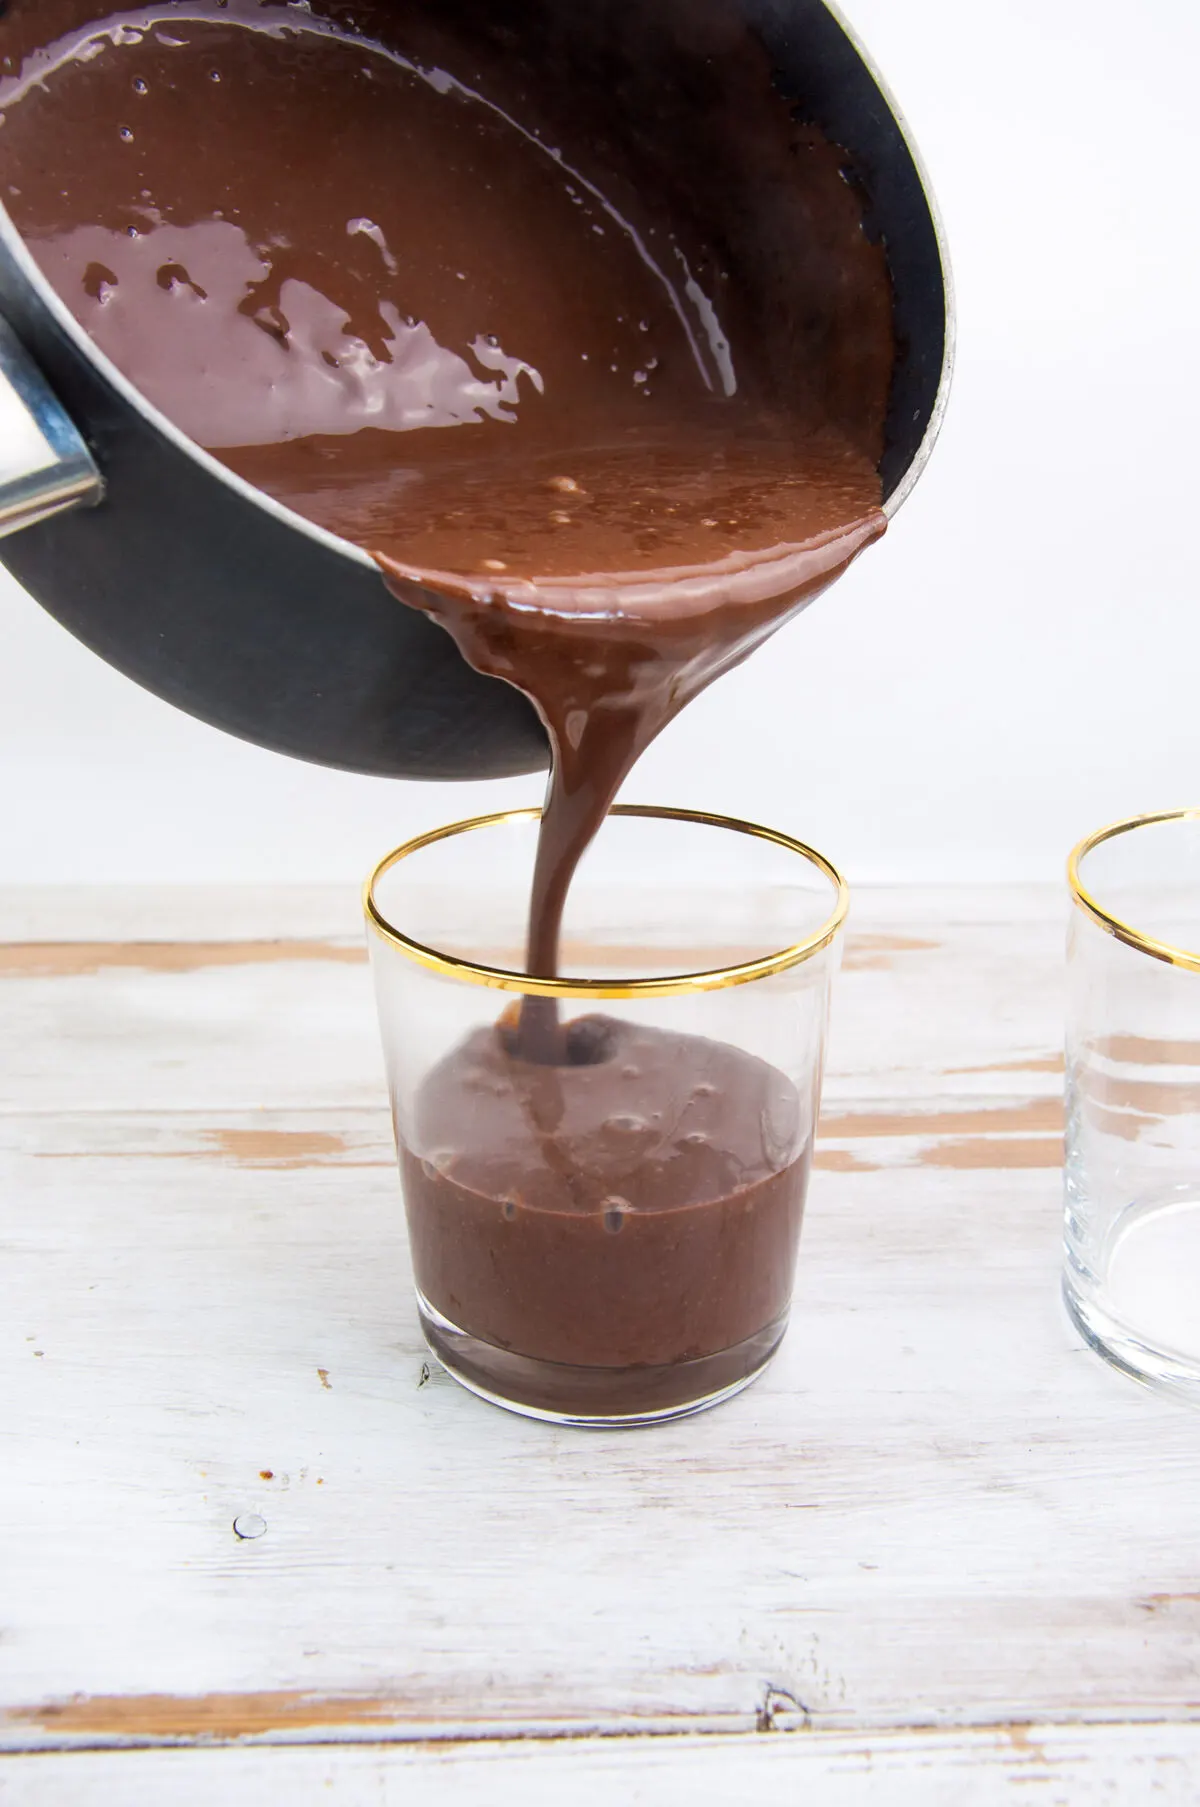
(510,1209)
(778,1135)
(625,1126)
(615,1212)
(589,1041)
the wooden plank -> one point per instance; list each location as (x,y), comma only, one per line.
(289,1022)
(206,1025)
(1059,1765)
(178,912)
(267,912)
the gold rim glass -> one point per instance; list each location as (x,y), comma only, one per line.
(604,1219)
(1132,1152)
(1106,914)
(502,978)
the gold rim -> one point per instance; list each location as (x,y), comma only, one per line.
(1113,925)
(500,979)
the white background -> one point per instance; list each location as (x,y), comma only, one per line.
(1013,666)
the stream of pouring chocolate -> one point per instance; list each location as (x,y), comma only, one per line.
(609,657)
(560,314)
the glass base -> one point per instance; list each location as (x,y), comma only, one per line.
(596,1398)
(1143,1315)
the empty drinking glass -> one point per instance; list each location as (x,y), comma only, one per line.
(1132,1272)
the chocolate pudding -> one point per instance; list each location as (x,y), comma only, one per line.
(478,286)
(629,1216)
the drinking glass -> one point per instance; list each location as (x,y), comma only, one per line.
(608,1235)
(1132,1268)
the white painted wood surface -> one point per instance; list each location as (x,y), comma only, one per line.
(937,1554)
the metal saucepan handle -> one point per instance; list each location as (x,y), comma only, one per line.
(45,467)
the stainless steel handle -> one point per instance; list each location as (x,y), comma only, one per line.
(45,467)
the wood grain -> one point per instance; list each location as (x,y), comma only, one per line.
(936,1542)
(78,959)
(995,1766)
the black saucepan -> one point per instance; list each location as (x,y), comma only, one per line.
(226,604)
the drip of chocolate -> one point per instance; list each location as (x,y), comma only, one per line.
(560,314)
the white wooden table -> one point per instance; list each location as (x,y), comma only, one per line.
(940,1554)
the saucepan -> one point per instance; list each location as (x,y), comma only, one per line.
(225,603)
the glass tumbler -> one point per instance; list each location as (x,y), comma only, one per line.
(1132,1269)
(604,1174)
